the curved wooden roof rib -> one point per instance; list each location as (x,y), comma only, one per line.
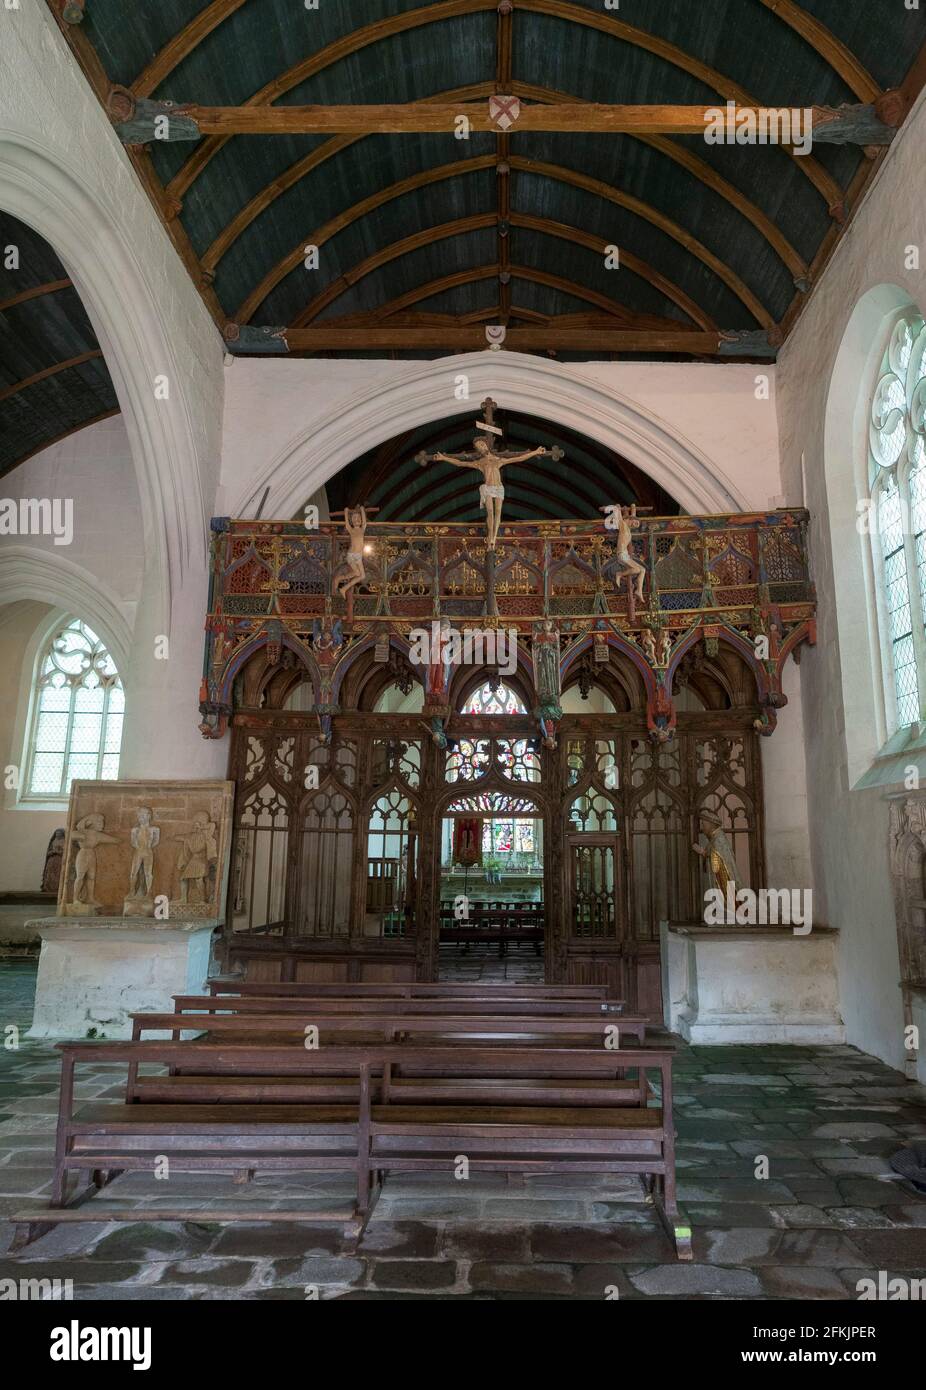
(651,214)
(343,219)
(855,75)
(332,53)
(732,91)
(53,370)
(182,45)
(262,200)
(699,168)
(446,9)
(574,235)
(553,171)
(50,287)
(517,272)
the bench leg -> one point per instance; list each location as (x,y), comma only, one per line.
(102,1177)
(59,1186)
(367,1198)
(241,1176)
(25,1232)
(674,1221)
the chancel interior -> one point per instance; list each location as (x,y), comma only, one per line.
(463,639)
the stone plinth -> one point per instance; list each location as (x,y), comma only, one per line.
(750,984)
(95,971)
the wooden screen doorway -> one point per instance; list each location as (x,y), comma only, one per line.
(595,895)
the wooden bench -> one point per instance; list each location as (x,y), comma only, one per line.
(493,926)
(601,1030)
(368,1137)
(320,989)
(485,1008)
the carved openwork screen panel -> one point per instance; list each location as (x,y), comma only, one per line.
(326,864)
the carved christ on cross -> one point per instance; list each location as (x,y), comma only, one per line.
(489,461)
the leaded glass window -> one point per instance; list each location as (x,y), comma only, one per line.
(494,697)
(897,473)
(77,720)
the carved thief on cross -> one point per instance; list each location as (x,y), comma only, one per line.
(351,571)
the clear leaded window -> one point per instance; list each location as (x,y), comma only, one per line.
(78,709)
(897,473)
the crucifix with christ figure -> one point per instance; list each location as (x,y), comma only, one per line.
(489,460)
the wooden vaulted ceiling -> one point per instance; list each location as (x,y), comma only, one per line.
(319,127)
(390,478)
(53,378)
(333,127)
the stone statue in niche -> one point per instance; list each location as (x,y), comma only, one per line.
(545,653)
(51,874)
(441,662)
(88,835)
(715,849)
(198,852)
(145,838)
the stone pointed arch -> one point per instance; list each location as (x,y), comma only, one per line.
(172,458)
(30,573)
(563,392)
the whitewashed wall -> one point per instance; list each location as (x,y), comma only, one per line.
(707,432)
(848,827)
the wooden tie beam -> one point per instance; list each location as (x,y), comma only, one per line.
(137,120)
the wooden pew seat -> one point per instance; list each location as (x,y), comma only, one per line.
(385,1128)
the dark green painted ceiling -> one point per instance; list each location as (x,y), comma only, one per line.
(551,48)
(42,326)
(588,477)
(746,222)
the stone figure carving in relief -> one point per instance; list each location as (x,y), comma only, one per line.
(352,572)
(715,849)
(145,839)
(627,518)
(89,836)
(198,850)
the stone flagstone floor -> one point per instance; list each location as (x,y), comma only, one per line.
(829,1213)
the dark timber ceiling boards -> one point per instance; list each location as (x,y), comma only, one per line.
(390,479)
(53,379)
(423,238)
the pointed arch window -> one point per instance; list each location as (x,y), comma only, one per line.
(897,476)
(494,697)
(78,708)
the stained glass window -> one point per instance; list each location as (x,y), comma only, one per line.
(504,836)
(486,700)
(78,711)
(897,473)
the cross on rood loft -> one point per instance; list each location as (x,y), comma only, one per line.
(489,460)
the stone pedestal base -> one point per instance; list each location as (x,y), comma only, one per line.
(751,984)
(96,971)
